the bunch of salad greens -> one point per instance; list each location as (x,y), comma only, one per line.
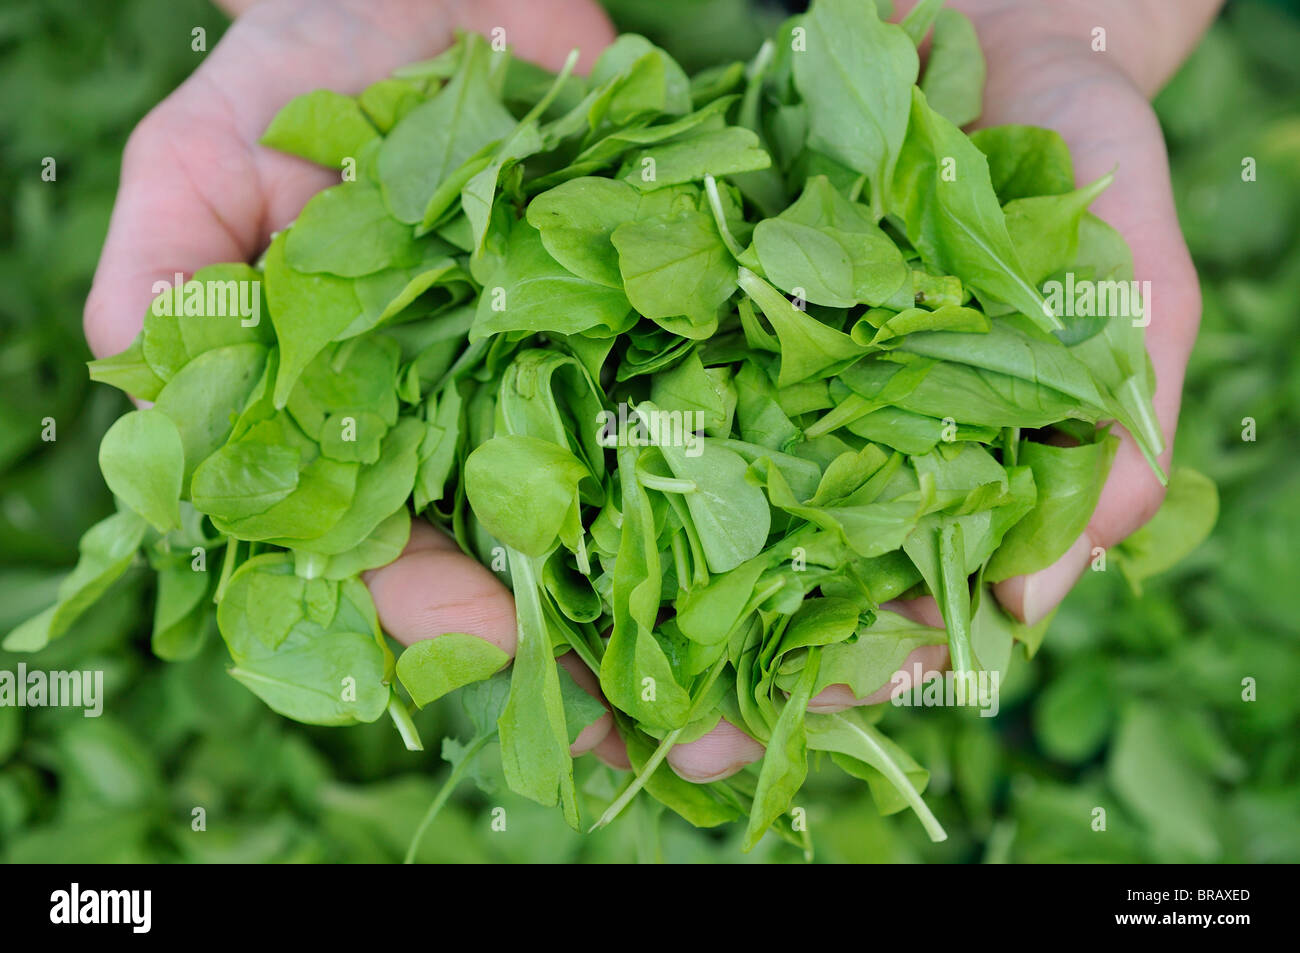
(707,368)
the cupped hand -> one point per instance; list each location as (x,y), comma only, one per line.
(197,188)
(1047,67)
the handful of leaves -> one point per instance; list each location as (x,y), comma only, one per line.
(706,368)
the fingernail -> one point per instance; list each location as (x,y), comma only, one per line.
(1045,589)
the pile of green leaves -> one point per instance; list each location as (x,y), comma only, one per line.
(804,251)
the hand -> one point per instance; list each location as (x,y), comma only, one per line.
(197,188)
(1042,70)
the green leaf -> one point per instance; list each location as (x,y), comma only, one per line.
(204,397)
(1183,522)
(332,670)
(1069,482)
(434,667)
(106,550)
(856,77)
(674,267)
(522,489)
(945,198)
(434,138)
(809,348)
(954,72)
(849,733)
(347,231)
(143,461)
(531,291)
(717,153)
(326,127)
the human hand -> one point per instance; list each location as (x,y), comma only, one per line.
(1043,71)
(196,188)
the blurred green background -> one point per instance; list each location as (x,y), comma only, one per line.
(1134,704)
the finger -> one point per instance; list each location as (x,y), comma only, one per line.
(717,755)
(613,752)
(196,188)
(433,588)
(591,736)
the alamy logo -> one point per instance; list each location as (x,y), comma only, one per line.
(211,298)
(641,427)
(1099,299)
(73,906)
(37,689)
(947,690)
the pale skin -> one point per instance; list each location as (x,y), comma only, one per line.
(196,188)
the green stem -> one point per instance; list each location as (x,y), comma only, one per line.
(715,203)
(629,792)
(898,778)
(397,710)
(956,596)
(457,772)
(661,752)
(227,567)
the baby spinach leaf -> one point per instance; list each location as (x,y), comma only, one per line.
(143,460)
(785,763)
(534,732)
(945,198)
(531,291)
(206,394)
(323,126)
(347,231)
(718,152)
(1069,482)
(1025,161)
(856,78)
(433,667)
(522,489)
(848,733)
(676,266)
(328,670)
(434,138)
(308,311)
(635,674)
(954,73)
(106,550)
(1045,228)
(1182,523)
(181,615)
(727,510)
(808,348)
(128,371)
(245,478)
(384,544)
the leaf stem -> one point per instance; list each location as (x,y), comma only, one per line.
(457,772)
(642,776)
(661,752)
(715,203)
(895,775)
(401,716)
(227,568)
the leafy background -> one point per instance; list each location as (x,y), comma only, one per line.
(1133,705)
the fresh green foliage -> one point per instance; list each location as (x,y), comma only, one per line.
(523,262)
